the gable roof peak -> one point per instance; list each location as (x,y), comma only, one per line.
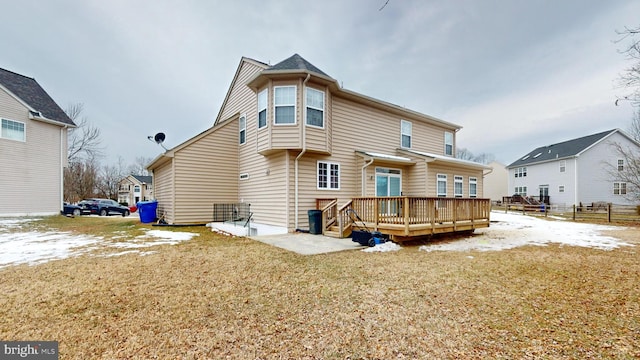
(27,90)
(297,62)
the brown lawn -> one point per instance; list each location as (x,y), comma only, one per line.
(217,297)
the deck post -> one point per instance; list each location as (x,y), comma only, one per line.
(405,202)
(473,213)
(376,212)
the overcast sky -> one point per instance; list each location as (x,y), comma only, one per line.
(514,74)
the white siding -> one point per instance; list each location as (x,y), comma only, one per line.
(31,178)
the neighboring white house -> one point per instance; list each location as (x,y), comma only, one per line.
(574,172)
(496,184)
(33,148)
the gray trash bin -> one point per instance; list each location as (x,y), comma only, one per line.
(315,222)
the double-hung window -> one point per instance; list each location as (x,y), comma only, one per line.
(457,186)
(448,143)
(284,101)
(620,164)
(473,187)
(262,108)
(405,134)
(328,175)
(521,172)
(243,129)
(13,130)
(315,107)
(619,188)
(563,166)
(441,185)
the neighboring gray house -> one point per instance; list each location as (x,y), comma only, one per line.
(574,172)
(33,147)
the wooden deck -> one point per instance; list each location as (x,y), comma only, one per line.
(404,217)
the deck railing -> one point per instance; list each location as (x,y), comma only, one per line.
(412,216)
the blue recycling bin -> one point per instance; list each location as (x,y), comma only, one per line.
(147,211)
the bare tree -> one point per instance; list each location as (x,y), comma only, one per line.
(630,78)
(80,180)
(84,140)
(109,178)
(139,166)
(627,173)
(465,154)
(634,128)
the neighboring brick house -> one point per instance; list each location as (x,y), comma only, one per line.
(288,137)
(574,172)
(33,147)
(135,188)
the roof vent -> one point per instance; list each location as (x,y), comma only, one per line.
(525,158)
(536,155)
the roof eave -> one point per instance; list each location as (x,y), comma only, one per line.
(51,121)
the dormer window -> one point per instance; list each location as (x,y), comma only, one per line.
(285,105)
(315,107)
(262,108)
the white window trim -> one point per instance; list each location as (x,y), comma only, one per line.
(329,164)
(295,110)
(561,189)
(24,139)
(620,164)
(315,108)
(618,188)
(440,177)
(402,133)
(453,150)
(241,129)
(473,181)
(265,108)
(563,166)
(458,179)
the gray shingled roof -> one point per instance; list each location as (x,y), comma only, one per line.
(29,91)
(560,150)
(297,62)
(144,178)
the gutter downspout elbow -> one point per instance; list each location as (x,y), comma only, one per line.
(364,177)
(304,149)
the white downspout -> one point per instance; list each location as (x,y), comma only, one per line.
(304,147)
(62,156)
(364,177)
(575,182)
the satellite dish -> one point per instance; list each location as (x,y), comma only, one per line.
(159,138)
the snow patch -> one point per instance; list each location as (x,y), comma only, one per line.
(36,247)
(508,231)
(384,247)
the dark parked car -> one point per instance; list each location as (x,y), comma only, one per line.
(70,209)
(106,207)
(103,207)
(88,206)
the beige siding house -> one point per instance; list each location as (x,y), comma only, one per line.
(288,137)
(135,188)
(496,182)
(33,148)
